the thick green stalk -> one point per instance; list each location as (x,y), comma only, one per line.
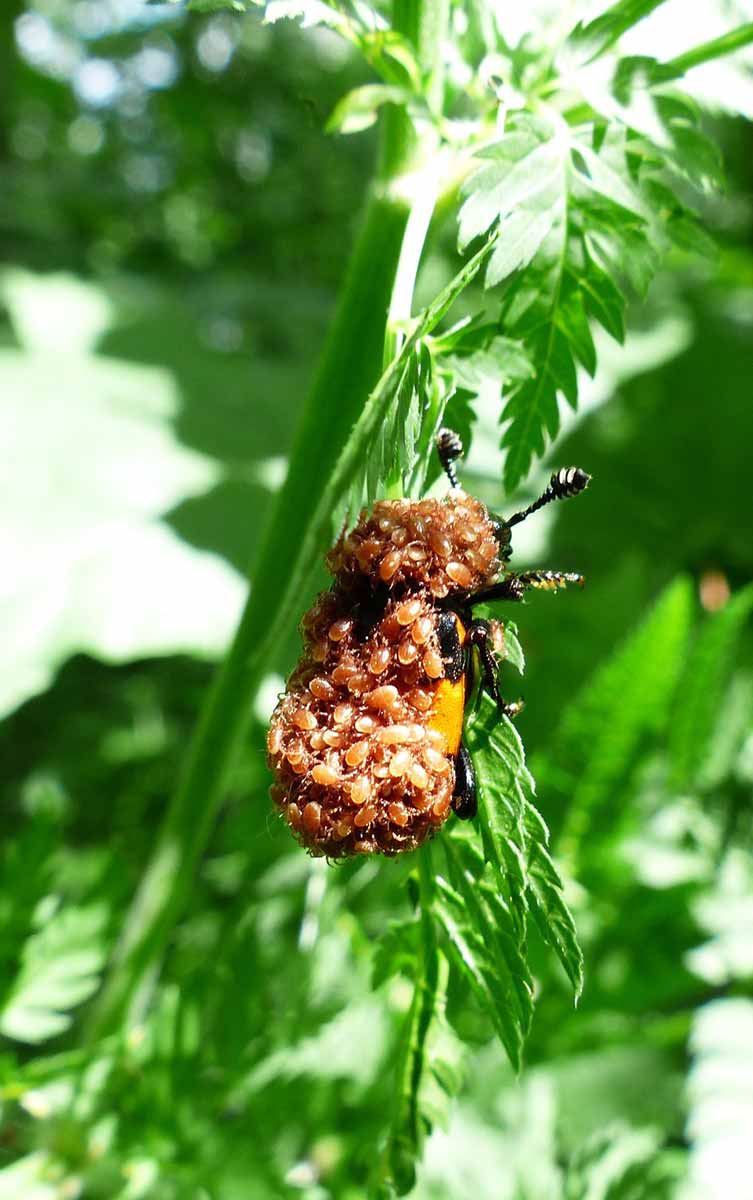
(349,368)
(716,48)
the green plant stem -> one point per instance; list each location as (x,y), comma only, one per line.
(397,1167)
(716,48)
(401,302)
(347,373)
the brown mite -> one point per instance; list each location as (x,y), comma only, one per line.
(365,745)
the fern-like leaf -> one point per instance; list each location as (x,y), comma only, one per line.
(429,1074)
(700,690)
(60,969)
(603,727)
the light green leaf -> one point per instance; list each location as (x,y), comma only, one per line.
(521,235)
(513,649)
(359,109)
(605,177)
(429,1075)
(612,1164)
(720,1098)
(60,969)
(547,903)
(34,1177)
(515,837)
(523,180)
(483,946)
(502,777)
(600,34)
(95,464)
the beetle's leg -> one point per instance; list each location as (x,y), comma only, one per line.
(480,635)
(450,648)
(464,798)
(550,581)
(514,586)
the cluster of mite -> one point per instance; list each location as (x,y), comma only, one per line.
(358,765)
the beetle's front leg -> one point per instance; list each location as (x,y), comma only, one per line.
(480,635)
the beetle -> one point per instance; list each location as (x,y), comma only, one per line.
(365,745)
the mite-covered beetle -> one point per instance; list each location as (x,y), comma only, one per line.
(366,743)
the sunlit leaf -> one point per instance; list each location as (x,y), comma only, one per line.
(60,969)
(720,1097)
(95,464)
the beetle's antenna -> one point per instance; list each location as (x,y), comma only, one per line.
(449,448)
(564,483)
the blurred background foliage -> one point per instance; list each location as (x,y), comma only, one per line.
(174,225)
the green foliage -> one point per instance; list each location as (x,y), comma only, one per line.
(428,1074)
(720,1103)
(60,968)
(190,1006)
(602,733)
(577,215)
(702,686)
(104,535)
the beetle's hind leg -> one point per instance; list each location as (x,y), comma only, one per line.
(479,635)
(465,797)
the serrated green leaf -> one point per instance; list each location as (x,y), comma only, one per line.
(603,727)
(533,408)
(488,956)
(515,837)
(60,969)
(371,456)
(513,652)
(604,177)
(687,233)
(547,904)
(572,321)
(524,181)
(501,777)
(700,691)
(521,235)
(598,35)
(603,299)
(429,1073)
